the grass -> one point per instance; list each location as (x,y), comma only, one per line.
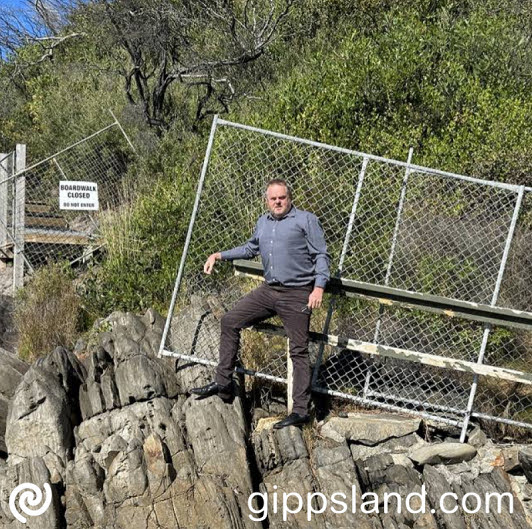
(47,312)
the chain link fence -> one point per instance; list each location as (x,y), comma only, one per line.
(54,209)
(387,223)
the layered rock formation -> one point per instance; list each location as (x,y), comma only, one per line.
(123,445)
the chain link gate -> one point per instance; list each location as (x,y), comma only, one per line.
(388,224)
(54,209)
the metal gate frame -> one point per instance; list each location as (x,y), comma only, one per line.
(409,168)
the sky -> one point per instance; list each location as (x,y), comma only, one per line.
(12,3)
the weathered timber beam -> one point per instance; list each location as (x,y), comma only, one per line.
(408,355)
(412,300)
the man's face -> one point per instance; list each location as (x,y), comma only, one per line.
(278,201)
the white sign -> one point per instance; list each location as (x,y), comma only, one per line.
(78,195)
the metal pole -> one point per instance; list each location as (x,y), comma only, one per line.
(18,172)
(189,234)
(19,217)
(60,169)
(419,168)
(123,132)
(487,327)
(390,260)
(4,198)
(332,304)
(386,406)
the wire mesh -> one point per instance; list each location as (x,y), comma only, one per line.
(385,223)
(44,224)
(7,164)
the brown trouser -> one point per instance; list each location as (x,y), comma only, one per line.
(262,303)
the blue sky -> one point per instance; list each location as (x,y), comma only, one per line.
(12,3)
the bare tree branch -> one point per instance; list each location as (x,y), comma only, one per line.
(197,42)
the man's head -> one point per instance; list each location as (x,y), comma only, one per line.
(278,197)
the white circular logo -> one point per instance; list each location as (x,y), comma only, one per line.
(31,496)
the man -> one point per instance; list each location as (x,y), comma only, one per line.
(296,269)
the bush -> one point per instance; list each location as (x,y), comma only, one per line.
(47,312)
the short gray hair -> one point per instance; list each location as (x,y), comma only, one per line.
(279,182)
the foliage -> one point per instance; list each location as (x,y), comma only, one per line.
(47,311)
(441,76)
(143,240)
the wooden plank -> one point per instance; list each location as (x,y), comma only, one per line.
(408,355)
(34,207)
(53,222)
(392,296)
(57,237)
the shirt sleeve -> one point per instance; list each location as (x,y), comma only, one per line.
(318,251)
(247,251)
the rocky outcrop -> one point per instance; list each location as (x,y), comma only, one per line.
(368,429)
(44,408)
(114,432)
(11,371)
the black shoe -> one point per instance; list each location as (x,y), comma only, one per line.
(294,419)
(213,388)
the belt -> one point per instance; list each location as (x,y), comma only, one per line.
(280,286)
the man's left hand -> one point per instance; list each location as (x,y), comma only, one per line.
(315,298)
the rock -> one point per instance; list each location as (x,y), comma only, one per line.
(84,503)
(126,476)
(437,485)
(106,435)
(294,478)
(12,370)
(496,482)
(335,472)
(124,368)
(159,467)
(216,433)
(139,378)
(511,459)
(394,446)
(525,458)
(446,453)
(195,331)
(30,470)
(380,475)
(369,429)
(40,409)
(99,393)
(274,448)
(477,437)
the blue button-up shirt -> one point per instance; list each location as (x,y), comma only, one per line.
(292,249)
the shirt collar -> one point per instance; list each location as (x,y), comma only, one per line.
(291,213)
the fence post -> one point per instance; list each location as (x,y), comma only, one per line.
(19,217)
(4,198)
(495,296)
(189,236)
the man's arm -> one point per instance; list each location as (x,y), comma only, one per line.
(318,251)
(247,251)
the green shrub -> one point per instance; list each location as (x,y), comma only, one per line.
(47,312)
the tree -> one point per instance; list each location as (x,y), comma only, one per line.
(37,27)
(196,43)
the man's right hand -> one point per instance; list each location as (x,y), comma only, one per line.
(209,263)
